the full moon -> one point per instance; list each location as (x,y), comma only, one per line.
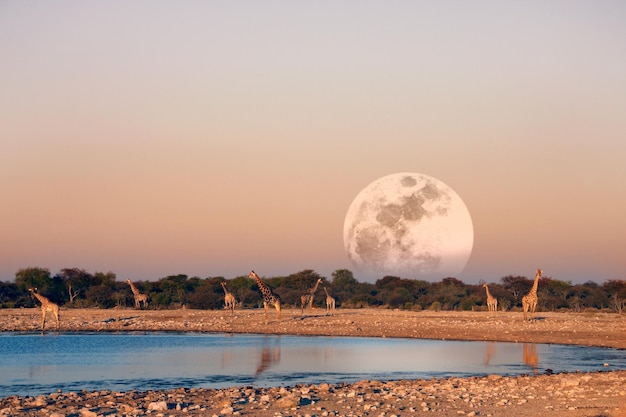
(408,225)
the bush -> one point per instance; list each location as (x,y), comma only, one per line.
(436,306)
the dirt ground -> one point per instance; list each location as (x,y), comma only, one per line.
(574,394)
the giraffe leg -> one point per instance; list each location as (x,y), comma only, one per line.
(267,320)
(56,315)
(43,319)
(526,307)
(277,305)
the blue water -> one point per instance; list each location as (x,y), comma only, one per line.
(33,364)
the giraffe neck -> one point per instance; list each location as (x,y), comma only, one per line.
(133,288)
(317,283)
(260,284)
(43,300)
(533,290)
(487,289)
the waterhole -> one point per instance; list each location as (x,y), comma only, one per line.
(33,364)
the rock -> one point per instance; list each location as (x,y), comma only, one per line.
(157,406)
(227,410)
(287,402)
(40,401)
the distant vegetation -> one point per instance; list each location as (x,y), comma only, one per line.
(77,288)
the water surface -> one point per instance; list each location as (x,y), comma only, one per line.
(33,364)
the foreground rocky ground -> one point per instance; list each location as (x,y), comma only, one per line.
(574,394)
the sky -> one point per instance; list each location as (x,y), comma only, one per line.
(153,138)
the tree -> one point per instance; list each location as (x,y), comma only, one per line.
(9,295)
(108,279)
(301,281)
(100,295)
(208,295)
(35,277)
(76,281)
(389,282)
(616,292)
(172,289)
(555,293)
(516,285)
(450,292)
(344,280)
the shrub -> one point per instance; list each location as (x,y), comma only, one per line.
(436,306)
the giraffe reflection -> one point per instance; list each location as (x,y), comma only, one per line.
(491,350)
(269,356)
(531,357)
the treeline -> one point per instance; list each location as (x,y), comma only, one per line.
(77,288)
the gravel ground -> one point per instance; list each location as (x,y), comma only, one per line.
(571,394)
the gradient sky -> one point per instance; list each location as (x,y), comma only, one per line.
(151,138)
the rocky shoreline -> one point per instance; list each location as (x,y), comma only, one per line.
(585,394)
(571,394)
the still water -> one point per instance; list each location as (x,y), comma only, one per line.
(32,364)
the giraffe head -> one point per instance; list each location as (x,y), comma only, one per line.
(253,275)
(33,290)
(485,285)
(129,281)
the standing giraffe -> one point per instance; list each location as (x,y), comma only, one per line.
(269,298)
(308,297)
(529,301)
(492,302)
(330,302)
(139,297)
(46,306)
(229,299)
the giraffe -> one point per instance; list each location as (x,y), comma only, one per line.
(308,297)
(269,298)
(46,306)
(529,301)
(330,302)
(139,297)
(229,299)
(492,302)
